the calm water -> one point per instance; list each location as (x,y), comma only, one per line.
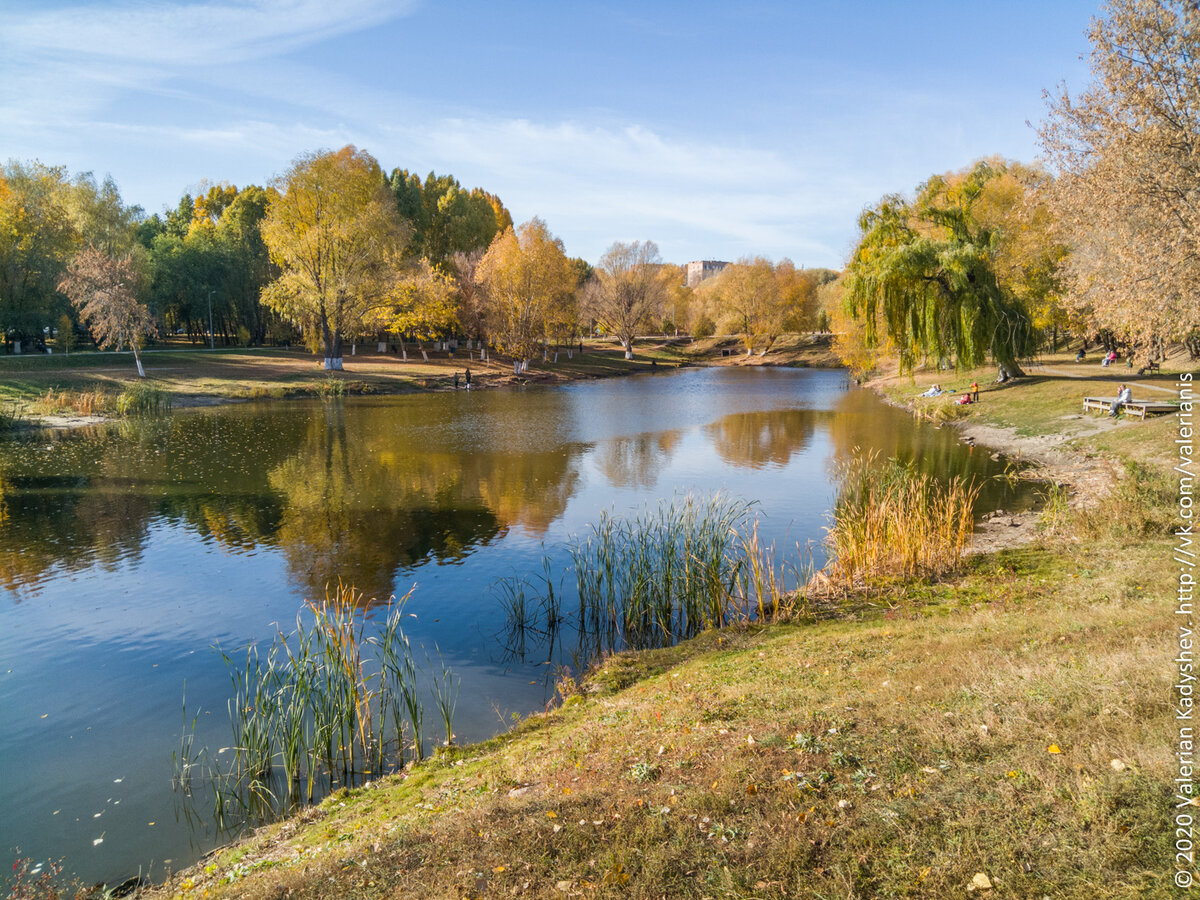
(128,552)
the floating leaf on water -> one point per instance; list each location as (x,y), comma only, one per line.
(97,841)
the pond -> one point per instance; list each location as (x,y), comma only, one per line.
(129,552)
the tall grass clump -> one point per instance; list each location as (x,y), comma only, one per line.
(82,403)
(143,399)
(892,521)
(10,416)
(324,707)
(663,575)
(1142,504)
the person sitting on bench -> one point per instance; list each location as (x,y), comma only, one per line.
(1124,395)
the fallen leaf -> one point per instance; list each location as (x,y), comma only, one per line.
(979,883)
(551,814)
(1053,748)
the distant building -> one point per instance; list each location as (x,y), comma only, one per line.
(703,268)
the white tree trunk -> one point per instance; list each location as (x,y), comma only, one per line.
(333,364)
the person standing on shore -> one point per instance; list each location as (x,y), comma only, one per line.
(468,378)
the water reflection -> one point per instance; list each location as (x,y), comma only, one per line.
(364,490)
(769,438)
(636,462)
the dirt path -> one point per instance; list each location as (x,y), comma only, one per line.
(1088,478)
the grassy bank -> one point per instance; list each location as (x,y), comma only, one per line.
(1001,731)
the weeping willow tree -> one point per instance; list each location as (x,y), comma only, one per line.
(925,270)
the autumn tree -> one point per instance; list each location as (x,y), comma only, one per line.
(628,292)
(749,294)
(103,290)
(1029,252)
(469,293)
(797,297)
(925,270)
(422,303)
(37,239)
(1127,151)
(525,273)
(332,228)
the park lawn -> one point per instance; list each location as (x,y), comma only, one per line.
(191,376)
(1008,725)
(1049,403)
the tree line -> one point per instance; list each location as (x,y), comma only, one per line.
(337,250)
(990,262)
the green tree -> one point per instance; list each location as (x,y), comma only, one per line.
(332,228)
(37,239)
(446,219)
(925,270)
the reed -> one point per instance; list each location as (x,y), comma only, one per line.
(82,403)
(141,399)
(667,573)
(316,710)
(890,520)
(445,695)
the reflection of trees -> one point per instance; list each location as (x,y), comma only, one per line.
(758,439)
(637,461)
(356,491)
(861,420)
(362,499)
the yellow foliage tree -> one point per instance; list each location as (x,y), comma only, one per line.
(332,228)
(526,274)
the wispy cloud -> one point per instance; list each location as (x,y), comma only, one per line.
(190,34)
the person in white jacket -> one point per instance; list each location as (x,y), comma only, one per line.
(1124,395)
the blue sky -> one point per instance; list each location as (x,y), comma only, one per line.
(716,130)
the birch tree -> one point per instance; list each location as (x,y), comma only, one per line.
(102,289)
(628,291)
(525,273)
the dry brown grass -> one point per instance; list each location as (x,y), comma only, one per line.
(891,521)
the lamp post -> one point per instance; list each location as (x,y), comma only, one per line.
(211,345)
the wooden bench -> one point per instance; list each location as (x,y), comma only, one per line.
(1139,408)
(1150,367)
